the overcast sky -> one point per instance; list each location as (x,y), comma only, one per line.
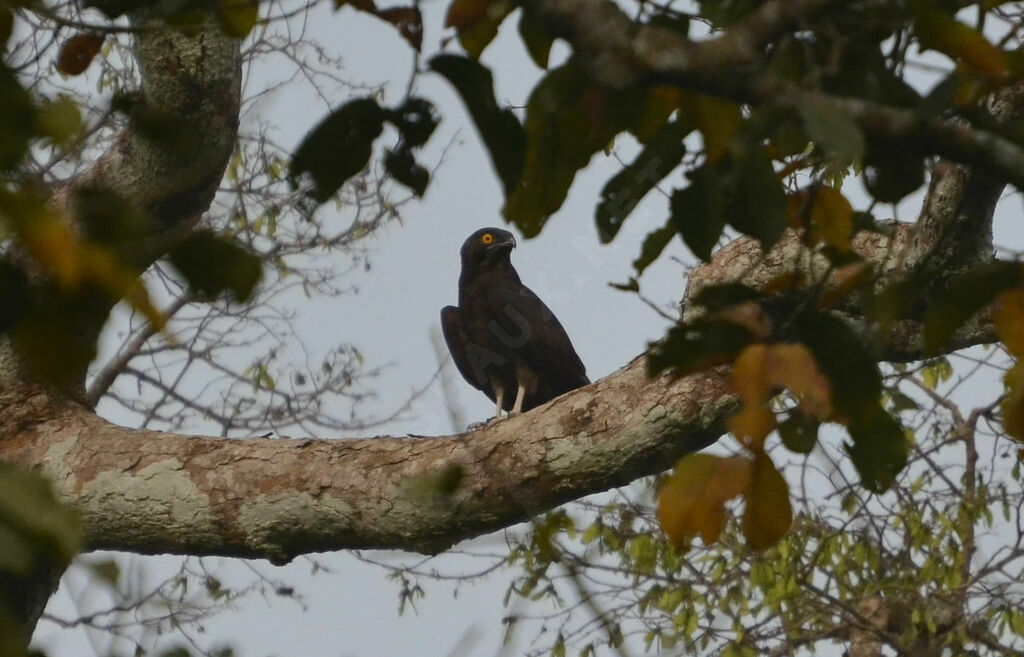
(352,610)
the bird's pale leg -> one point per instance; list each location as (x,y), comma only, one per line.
(499,397)
(518,406)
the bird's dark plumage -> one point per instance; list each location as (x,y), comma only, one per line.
(503,339)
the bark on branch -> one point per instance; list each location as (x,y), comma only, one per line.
(195,81)
(151,492)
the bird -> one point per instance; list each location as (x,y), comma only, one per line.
(504,340)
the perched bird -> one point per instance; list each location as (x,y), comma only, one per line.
(503,339)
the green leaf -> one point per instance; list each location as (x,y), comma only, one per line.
(402,166)
(677,22)
(6,25)
(212,264)
(864,71)
(60,119)
(937,30)
(536,38)
(31,516)
(107,570)
(17,119)
(741,189)
(942,97)
(799,432)
(415,120)
(723,13)
(698,211)
(499,128)
(107,218)
(901,402)
(238,17)
(662,153)
(697,346)
(892,170)
(168,130)
(719,120)
(879,448)
(338,147)
(15,294)
(843,359)
(653,245)
(757,198)
(568,119)
(407,20)
(953,307)
(768,512)
(54,348)
(114,8)
(476,22)
(833,130)
(719,297)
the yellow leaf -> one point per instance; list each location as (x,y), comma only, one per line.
(44,233)
(1013,402)
(476,22)
(749,377)
(793,366)
(101,266)
(845,280)
(51,244)
(786,281)
(658,107)
(138,296)
(758,372)
(463,13)
(825,213)
(752,424)
(718,121)
(768,513)
(939,31)
(832,217)
(237,17)
(692,499)
(1009,320)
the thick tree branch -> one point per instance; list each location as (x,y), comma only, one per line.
(194,82)
(145,491)
(150,492)
(170,158)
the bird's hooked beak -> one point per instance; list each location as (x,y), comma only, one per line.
(506,243)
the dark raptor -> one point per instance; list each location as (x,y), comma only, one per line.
(503,339)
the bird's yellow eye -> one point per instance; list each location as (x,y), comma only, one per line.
(487,238)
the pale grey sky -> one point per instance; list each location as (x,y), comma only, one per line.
(352,611)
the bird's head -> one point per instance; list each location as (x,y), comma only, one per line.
(487,246)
